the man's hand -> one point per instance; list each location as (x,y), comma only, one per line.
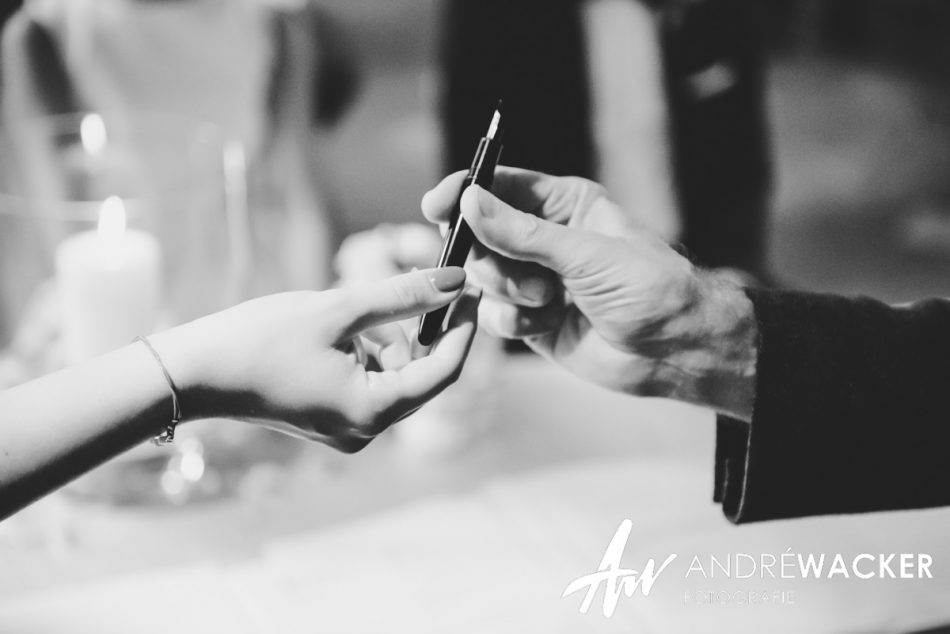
(565,269)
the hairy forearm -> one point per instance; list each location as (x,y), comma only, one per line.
(59,426)
(717,367)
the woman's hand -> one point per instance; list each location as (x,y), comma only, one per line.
(332,366)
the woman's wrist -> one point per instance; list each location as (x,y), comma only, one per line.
(187,357)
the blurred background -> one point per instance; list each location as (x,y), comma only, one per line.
(857,111)
(265,145)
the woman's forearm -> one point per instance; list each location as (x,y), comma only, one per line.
(284,361)
(61,425)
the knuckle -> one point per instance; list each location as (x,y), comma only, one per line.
(579,188)
(530,231)
(590,189)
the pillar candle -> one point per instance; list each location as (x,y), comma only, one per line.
(110,285)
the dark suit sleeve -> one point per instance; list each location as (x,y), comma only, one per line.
(851,410)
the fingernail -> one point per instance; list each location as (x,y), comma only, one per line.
(447,279)
(534,289)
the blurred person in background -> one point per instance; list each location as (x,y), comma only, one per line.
(660,100)
(271,75)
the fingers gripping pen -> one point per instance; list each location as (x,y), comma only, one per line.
(459,239)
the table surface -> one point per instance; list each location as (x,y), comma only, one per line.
(483,541)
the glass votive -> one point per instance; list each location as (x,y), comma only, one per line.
(109,230)
(113,227)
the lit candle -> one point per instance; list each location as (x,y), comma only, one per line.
(110,283)
(99,166)
(84,163)
(92,135)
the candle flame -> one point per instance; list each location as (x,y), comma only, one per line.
(111,220)
(92,134)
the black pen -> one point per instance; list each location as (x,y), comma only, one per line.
(459,239)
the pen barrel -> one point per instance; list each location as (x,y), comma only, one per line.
(477,158)
(456,222)
(484,164)
(431,324)
(460,238)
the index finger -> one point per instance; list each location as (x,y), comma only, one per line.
(397,298)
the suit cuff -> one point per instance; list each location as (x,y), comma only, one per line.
(849,413)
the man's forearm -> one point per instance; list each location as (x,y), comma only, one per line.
(716,367)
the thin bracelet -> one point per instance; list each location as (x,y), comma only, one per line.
(167,437)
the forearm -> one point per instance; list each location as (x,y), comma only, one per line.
(57,427)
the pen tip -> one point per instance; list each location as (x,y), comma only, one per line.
(495,122)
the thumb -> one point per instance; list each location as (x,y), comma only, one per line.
(522,236)
(399,297)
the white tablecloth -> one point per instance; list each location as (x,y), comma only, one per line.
(484,543)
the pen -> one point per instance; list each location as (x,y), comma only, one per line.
(458,241)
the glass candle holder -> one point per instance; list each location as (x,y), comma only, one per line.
(123,226)
(113,227)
